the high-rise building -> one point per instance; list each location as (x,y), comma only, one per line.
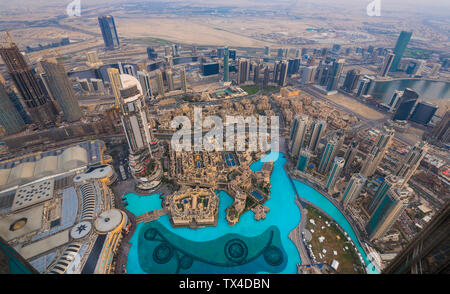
(116,83)
(256,70)
(350,154)
(266,76)
(387,63)
(109,32)
(167,51)
(351,80)
(243,70)
(129,70)
(160,83)
(423,113)
(92,59)
(293,66)
(232,54)
(151,53)
(308,74)
(134,114)
(62,89)
(10,118)
(387,212)
(283,74)
(411,162)
(98,85)
(175,50)
(144,80)
(135,121)
(335,74)
(363,87)
(406,104)
(353,189)
(169,80)
(329,152)
(335,172)
(298,133)
(378,151)
(266,50)
(428,252)
(394,101)
(389,182)
(303,160)
(34,98)
(226,66)
(183,79)
(400,47)
(318,129)
(441,132)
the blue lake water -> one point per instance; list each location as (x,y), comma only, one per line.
(284,215)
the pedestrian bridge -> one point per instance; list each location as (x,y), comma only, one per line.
(151,215)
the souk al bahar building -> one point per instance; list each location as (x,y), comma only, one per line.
(145,167)
(193,207)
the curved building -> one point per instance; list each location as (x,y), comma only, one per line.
(145,169)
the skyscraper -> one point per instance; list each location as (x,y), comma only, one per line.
(266,76)
(351,80)
(428,252)
(183,79)
(363,87)
(10,118)
(406,104)
(350,154)
(400,47)
(160,83)
(329,152)
(335,172)
(335,74)
(411,162)
(169,79)
(423,112)
(353,189)
(243,70)
(144,80)
(135,120)
(62,89)
(266,50)
(389,182)
(298,133)
(308,74)
(387,63)
(441,132)
(129,70)
(256,70)
(378,151)
(283,73)
(226,67)
(319,127)
(36,102)
(387,212)
(116,83)
(109,32)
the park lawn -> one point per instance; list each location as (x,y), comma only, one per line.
(334,240)
(250,89)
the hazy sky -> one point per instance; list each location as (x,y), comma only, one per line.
(440,7)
